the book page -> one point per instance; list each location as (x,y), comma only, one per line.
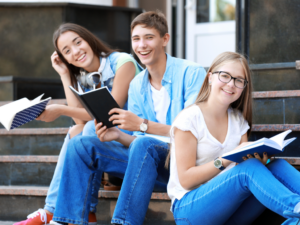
(37,99)
(8,111)
(286,142)
(280,137)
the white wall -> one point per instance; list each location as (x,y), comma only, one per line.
(89,2)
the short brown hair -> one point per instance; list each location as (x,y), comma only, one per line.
(151,19)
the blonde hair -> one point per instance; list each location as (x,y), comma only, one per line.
(244,102)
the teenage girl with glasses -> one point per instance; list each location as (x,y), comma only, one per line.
(207,189)
(78,54)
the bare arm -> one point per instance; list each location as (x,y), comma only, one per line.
(185,152)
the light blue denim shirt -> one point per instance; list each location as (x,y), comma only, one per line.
(182,80)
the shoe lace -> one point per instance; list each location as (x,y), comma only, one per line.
(36,213)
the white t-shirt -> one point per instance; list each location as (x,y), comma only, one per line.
(208,148)
(161,102)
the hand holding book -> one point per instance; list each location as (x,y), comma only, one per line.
(270,146)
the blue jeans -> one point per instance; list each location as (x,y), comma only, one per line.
(86,156)
(239,195)
(88,130)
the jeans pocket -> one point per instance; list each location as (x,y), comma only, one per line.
(182,221)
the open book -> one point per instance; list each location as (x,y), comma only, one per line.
(271,146)
(21,111)
(98,103)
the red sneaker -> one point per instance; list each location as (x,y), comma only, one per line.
(92,219)
(38,217)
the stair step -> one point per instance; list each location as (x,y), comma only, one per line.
(32,141)
(276,107)
(25,200)
(272,80)
(48,141)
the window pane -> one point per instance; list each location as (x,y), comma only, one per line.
(215,10)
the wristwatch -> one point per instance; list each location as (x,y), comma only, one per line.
(218,164)
(144,126)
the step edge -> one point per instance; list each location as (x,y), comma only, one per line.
(275,127)
(42,191)
(276,94)
(28,159)
(35,131)
(52,101)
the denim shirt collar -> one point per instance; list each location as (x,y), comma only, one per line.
(107,73)
(167,78)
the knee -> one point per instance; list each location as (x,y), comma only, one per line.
(75,130)
(141,146)
(252,165)
(277,163)
(89,129)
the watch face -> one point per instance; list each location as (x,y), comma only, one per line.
(218,163)
(143,127)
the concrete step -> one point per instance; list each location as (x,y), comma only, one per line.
(27,170)
(48,141)
(275,79)
(16,202)
(39,170)
(276,107)
(62,121)
(32,141)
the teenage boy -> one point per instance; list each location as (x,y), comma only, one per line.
(155,98)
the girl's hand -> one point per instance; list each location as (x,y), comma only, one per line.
(104,134)
(263,160)
(58,65)
(51,113)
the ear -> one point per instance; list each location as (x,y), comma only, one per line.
(166,39)
(210,77)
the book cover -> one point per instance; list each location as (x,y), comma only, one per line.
(98,103)
(271,146)
(22,111)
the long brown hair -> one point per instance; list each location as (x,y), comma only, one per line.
(96,45)
(244,102)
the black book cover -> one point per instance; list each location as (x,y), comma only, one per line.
(98,103)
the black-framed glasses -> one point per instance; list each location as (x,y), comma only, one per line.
(225,77)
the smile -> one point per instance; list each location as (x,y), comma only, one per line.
(229,92)
(145,53)
(81,57)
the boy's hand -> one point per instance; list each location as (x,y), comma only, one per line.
(51,113)
(126,120)
(104,134)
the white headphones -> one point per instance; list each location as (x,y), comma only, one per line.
(91,80)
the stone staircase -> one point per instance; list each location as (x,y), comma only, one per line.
(28,156)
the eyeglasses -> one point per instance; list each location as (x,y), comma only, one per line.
(226,78)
